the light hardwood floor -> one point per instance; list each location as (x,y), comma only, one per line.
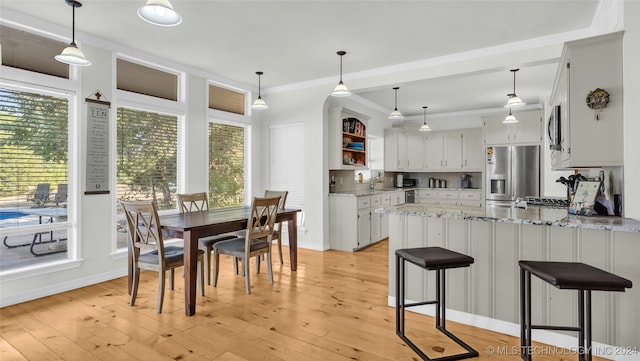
(333,308)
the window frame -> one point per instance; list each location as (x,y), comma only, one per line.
(145,103)
(28,81)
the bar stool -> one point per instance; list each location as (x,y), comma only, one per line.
(565,275)
(429,258)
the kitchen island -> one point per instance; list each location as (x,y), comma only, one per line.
(487,294)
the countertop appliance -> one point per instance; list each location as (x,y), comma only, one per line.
(512,172)
(409,183)
(465,181)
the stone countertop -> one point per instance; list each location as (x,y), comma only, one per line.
(358,193)
(556,217)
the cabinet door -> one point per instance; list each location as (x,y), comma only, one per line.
(415,151)
(495,132)
(453,151)
(364,227)
(376,224)
(433,151)
(472,150)
(395,150)
(529,128)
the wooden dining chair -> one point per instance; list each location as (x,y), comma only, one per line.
(277,232)
(256,242)
(149,252)
(195,202)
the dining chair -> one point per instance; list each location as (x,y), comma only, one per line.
(194,202)
(149,251)
(256,242)
(277,232)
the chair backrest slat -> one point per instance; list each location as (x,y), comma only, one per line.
(282,194)
(192,202)
(144,226)
(261,219)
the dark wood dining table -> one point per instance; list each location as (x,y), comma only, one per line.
(192,226)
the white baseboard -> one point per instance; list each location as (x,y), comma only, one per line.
(60,287)
(509,328)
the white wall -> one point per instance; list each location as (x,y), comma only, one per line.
(631,76)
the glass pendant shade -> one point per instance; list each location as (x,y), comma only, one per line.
(514,100)
(259,103)
(395,114)
(71,54)
(424,127)
(159,12)
(341,90)
(510,119)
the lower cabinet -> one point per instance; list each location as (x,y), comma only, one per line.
(450,197)
(353,222)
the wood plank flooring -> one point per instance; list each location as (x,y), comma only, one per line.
(333,308)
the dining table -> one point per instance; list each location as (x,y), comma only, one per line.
(194,225)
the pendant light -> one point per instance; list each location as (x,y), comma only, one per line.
(159,12)
(425,127)
(395,114)
(510,119)
(341,89)
(514,100)
(259,103)
(71,54)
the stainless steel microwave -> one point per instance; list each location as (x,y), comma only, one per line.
(553,129)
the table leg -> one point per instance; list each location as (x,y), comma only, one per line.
(190,272)
(293,242)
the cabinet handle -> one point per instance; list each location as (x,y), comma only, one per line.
(441,163)
(465,162)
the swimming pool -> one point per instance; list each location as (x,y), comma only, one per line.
(11,214)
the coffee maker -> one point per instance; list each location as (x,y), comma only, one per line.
(465,181)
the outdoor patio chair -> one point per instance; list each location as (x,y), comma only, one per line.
(61,195)
(41,195)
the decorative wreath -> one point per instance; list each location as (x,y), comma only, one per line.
(597,99)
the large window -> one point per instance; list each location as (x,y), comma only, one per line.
(227,160)
(147,153)
(34,177)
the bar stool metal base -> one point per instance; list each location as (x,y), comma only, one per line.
(440,314)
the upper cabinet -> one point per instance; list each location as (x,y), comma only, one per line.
(528,129)
(589,139)
(347,139)
(458,150)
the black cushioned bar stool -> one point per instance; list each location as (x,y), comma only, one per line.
(565,275)
(429,258)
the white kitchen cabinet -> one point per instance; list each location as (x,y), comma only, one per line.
(339,134)
(450,197)
(452,151)
(353,222)
(528,130)
(415,151)
(585,65)
(434,156)
(472,150)
(397,197)
(395,150)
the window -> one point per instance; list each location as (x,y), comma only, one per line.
(24,50)
(145,80)
(226,100)
(146,160)
(34,177)
(227,178)
(286,163)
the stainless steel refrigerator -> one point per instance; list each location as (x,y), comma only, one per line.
(512,172)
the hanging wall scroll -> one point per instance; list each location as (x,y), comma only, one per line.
(97,146)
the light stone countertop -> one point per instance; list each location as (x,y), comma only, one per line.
(556,217)
(358,193)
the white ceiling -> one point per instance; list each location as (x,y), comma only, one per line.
(295,42)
